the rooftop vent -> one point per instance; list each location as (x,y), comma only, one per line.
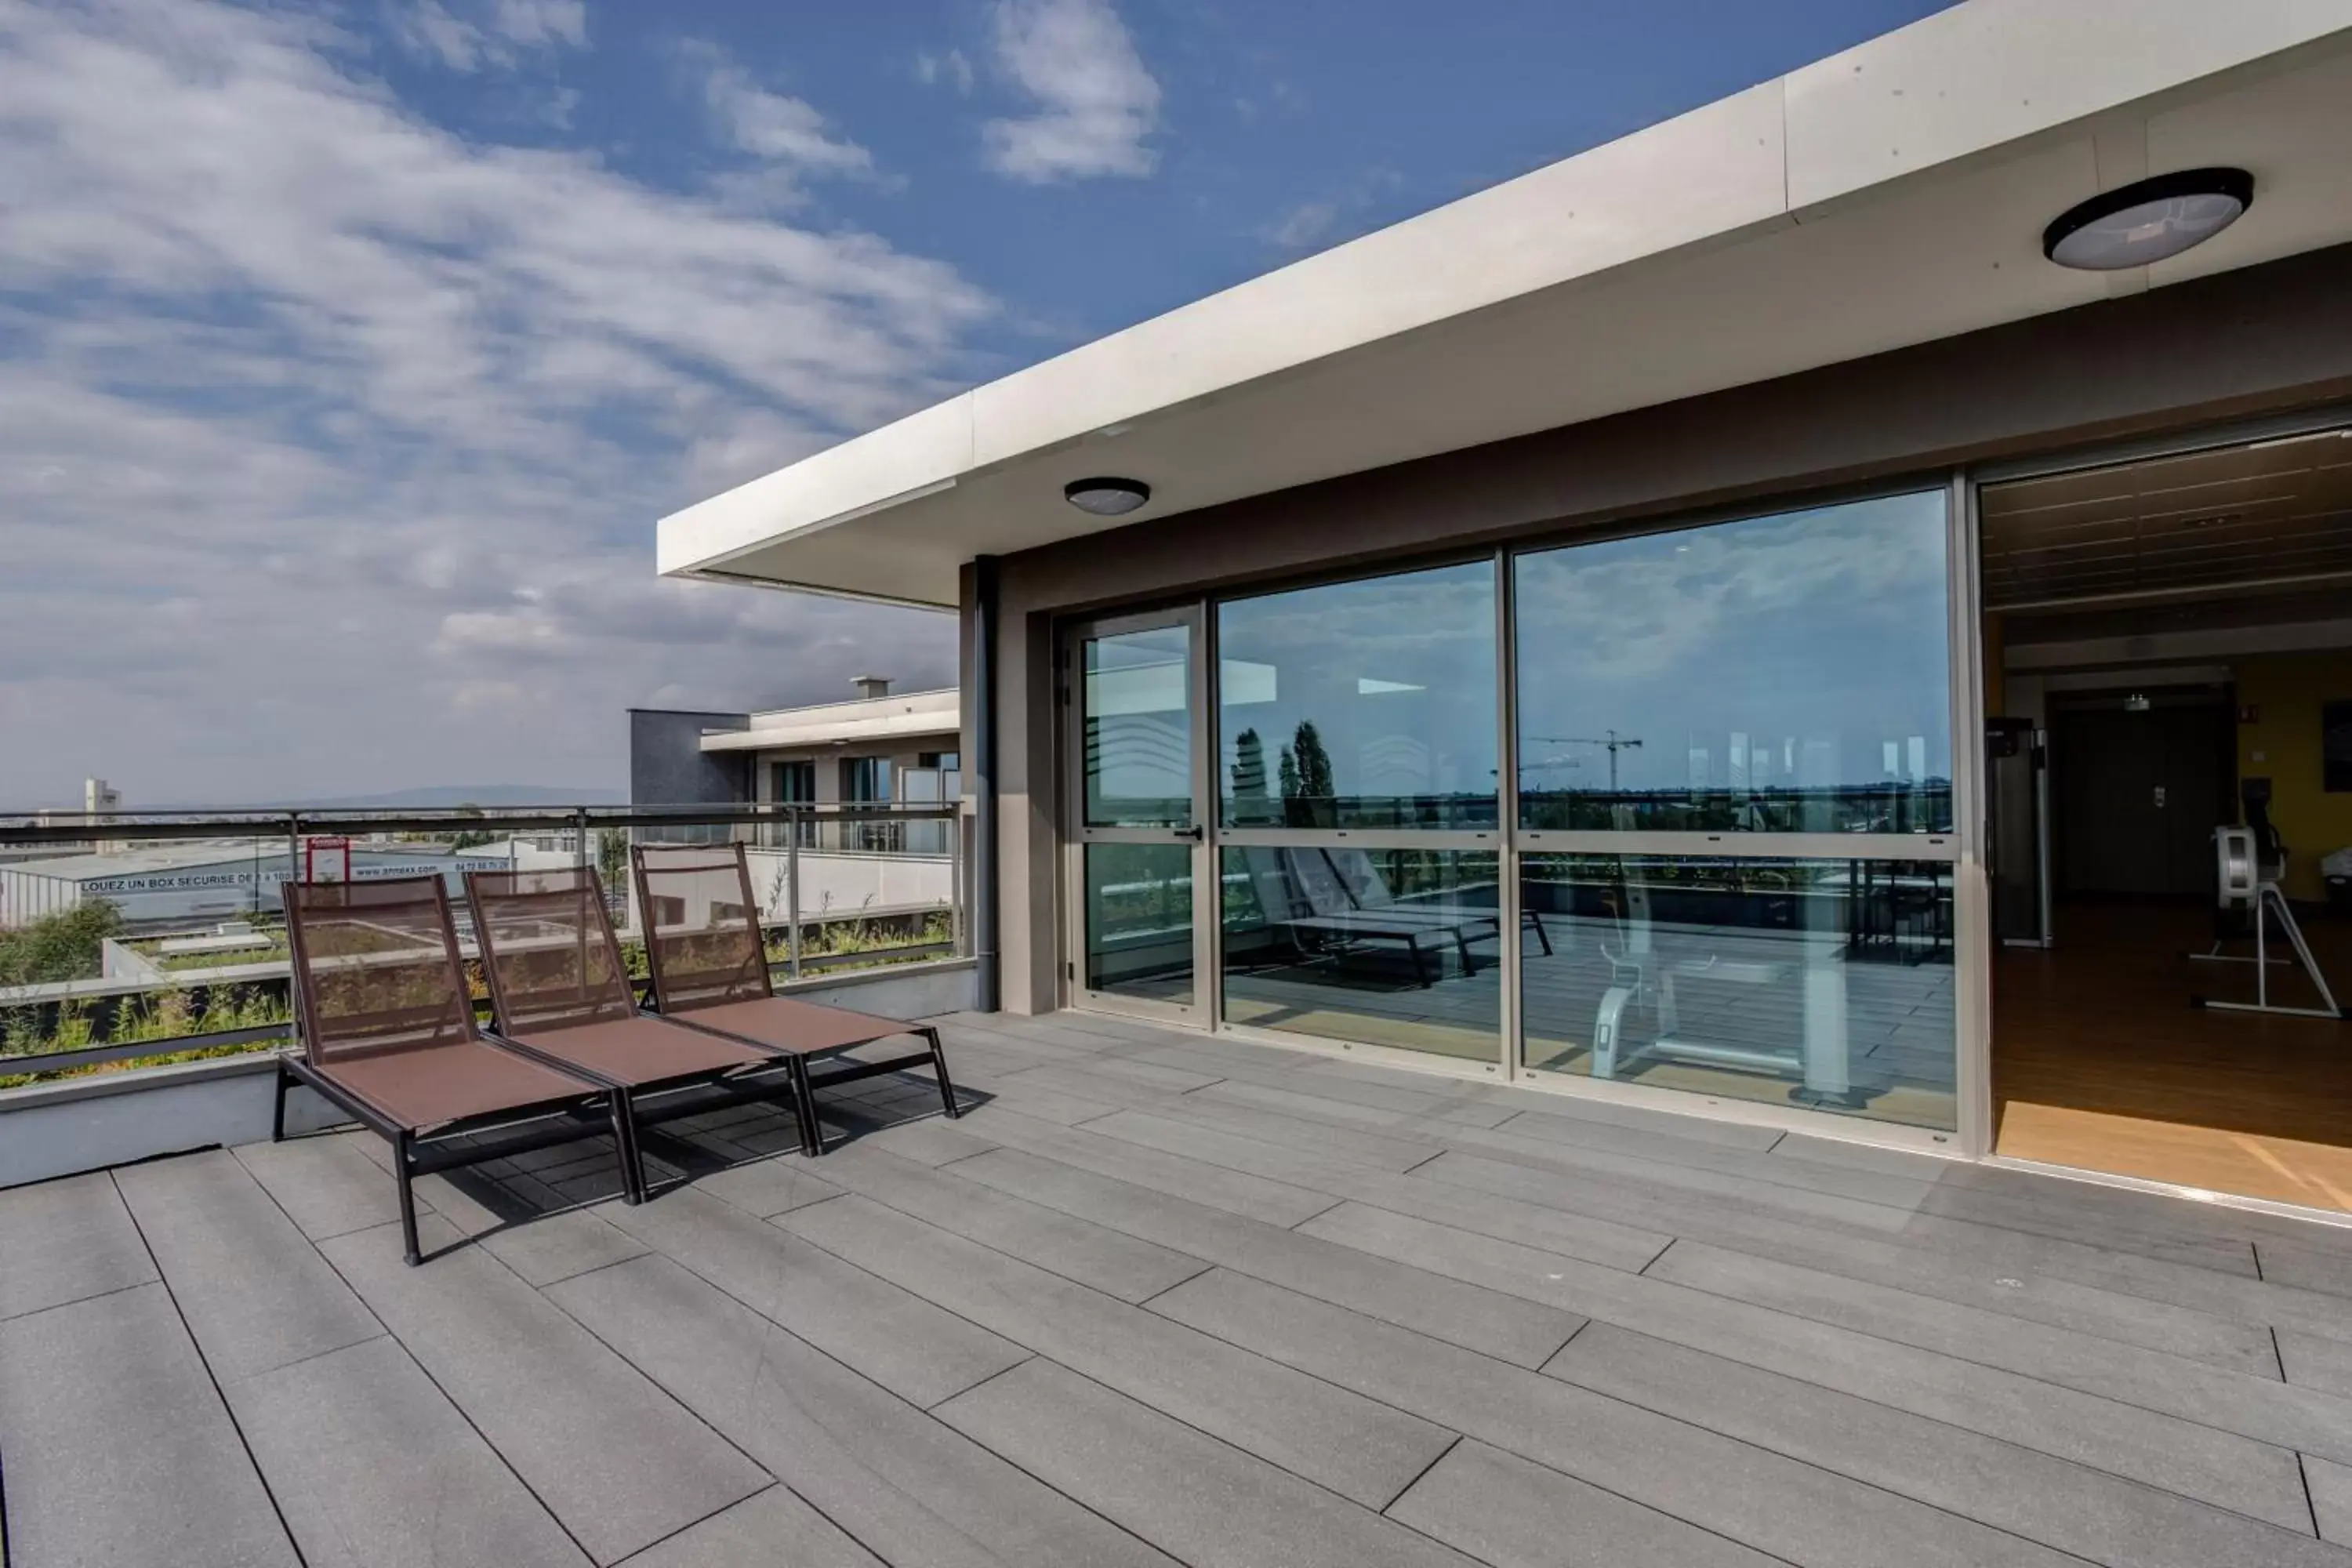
(871,685)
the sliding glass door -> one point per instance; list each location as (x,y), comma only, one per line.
(1675,810)
(1358,814)
(1138,855)
(1735,810)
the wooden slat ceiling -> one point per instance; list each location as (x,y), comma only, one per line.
(2219,518)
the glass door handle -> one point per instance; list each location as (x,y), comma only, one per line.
(1194,833)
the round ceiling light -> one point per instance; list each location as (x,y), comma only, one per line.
(2149,219)
(1106,497)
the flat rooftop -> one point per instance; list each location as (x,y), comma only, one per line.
(1157,1300)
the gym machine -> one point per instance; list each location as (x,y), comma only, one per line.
(2017,817)
(1641,978)
(2249,863)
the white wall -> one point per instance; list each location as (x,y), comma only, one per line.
(846,884)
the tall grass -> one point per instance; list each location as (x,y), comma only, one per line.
(158,1015)
(176,1013)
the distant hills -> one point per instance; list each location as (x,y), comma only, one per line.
(475,794)
(431,797)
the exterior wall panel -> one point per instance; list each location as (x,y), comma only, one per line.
(668,767)
(2260,341)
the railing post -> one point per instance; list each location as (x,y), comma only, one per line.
(793,891)
(955,884)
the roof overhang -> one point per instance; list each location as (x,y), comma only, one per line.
(1889,196)
(928,721)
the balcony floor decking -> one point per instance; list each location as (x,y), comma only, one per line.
(1160,1297)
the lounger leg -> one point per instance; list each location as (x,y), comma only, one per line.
(624,1142)
(1541,935)
(1420,961)
(805,1105)
(1462,945)
(399,1147)
(939,1070)
(277,1117)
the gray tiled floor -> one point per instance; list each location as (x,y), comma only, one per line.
(1159,1299)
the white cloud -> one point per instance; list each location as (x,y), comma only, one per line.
(542,21)
(330,443)
(1096,102)
(1325,220)
(954,67)
(492,32)
(1304,226)
(788,133)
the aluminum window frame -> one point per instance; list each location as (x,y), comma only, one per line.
(1510,843)
(1195,618)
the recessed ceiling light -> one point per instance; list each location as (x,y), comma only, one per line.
(2148,220)
(1106,497)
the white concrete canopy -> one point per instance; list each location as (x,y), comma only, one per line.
(1888,196)
(908,715)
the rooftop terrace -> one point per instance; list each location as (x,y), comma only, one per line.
(1157,1298)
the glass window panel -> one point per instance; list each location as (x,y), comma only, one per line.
(1138,902)
(1391,947)
(795,781)
(1139,729)
(1360,704)
(1785,674)
(1821,983)
(866,781)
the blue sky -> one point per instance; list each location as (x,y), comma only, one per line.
(348,351)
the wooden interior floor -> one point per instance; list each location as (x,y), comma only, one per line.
(2100,1061)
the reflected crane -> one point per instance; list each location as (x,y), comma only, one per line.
(1609,739)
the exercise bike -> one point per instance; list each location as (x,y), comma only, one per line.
(2249,863)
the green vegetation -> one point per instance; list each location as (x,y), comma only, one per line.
(612,857)
(157,1015)
(883,938)
(167,1015)
(266,949)
(62,946)
(843,938)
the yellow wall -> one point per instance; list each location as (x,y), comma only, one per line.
(2288,689)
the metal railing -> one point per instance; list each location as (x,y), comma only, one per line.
(123,941)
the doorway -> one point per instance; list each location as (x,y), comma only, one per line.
(2139,780)
(2164,636)
(1133,692)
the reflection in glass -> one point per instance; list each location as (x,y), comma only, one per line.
(1820,983)
(1783,674)
(1392,947)
(1139,731)
(1138,902)
(1360,704)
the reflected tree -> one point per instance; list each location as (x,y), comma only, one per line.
(1307,790)
(1251,802)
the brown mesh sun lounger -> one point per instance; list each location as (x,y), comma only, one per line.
(709,960)
(559,990)
(388,1035)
